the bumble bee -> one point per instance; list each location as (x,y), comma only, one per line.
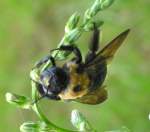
(78,80)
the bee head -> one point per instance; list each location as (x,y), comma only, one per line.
(54,79)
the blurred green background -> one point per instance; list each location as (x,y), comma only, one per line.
(29,29)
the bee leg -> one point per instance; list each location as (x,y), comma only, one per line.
(34,74)
(73,49)
(44,60)
(94,45)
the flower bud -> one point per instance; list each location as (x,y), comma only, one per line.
(18,100)
(39,126)
(29,127)
(34,74)
(106,4)
(90,25)
(79,121)
(72,36)
(72,22)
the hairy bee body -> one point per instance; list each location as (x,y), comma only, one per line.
(79,80)
(82,80)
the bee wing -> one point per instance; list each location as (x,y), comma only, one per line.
(110,49)
(95,97)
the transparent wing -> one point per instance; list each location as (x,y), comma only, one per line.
(109,50)
(95,97)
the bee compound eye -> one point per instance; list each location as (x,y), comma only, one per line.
(77,88)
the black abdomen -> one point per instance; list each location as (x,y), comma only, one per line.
(97,75)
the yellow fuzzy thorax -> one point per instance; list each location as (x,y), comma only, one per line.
(75,79)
